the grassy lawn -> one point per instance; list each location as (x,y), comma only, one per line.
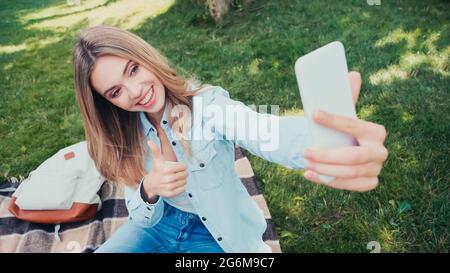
(401,49)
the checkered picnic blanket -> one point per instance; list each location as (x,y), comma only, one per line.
(21,236)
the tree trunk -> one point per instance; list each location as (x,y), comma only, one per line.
(218,8)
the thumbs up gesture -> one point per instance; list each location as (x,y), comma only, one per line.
(165,180)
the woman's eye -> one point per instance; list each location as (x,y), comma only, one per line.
(115,93)
(134,69)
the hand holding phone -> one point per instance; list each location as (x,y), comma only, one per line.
(322,77)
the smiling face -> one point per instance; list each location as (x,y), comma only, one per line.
(128,85)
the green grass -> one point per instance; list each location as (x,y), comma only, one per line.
(401,49)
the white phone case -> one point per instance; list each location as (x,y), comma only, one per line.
(322,77)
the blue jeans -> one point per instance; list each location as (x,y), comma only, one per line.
(177,231)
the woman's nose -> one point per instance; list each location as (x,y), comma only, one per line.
(135,90)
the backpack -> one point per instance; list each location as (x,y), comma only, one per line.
(63,189)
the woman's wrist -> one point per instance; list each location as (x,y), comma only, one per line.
(148,196)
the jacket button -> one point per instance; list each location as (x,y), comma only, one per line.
(202,165)
(219,239)
(149,208)
(174,143)
(164,121)
(203,218)
(190,195)
(151,129)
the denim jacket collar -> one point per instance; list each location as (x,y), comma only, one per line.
(148,126)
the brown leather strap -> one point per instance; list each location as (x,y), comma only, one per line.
(78,212)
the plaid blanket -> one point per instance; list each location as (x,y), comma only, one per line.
(21,236)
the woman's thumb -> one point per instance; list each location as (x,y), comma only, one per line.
(156,152)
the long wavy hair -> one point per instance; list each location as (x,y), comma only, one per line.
(116,141)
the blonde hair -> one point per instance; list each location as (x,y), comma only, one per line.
(115,137)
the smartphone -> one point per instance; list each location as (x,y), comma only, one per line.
(322,78)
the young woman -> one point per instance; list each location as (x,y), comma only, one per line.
(181,191)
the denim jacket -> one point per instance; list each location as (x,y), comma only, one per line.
(216,191)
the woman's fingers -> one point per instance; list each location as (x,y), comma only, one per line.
(178,191)
(175,176)
(174,168)
(350,155)
(363,131)
(351,126)
(355,84)
(345,171)
(176,184)
(175,192)
(360,184)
